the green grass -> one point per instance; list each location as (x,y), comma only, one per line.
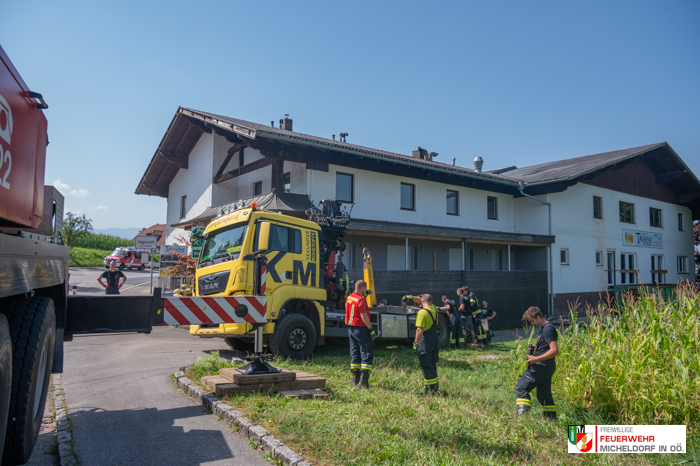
(82,257)
(393,423)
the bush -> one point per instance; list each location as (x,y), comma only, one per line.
(99,241)
(83,257)
(638,364)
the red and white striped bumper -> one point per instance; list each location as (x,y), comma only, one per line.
(222,310)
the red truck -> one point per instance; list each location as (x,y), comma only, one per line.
(36,313)
(127,258)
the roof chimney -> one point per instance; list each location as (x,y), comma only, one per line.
(478,163)
(286,122)
(423,154)
(454,161)
(272,123)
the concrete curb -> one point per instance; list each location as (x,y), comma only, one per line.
(63,425)
(235,419)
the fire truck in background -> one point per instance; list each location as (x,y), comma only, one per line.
(128,258)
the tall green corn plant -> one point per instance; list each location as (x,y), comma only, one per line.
(638,362)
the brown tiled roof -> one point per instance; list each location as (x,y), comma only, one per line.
(268,130)
(156,230)
(569,169)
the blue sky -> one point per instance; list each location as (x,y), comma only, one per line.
(517,83)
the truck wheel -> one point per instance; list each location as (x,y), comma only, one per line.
(121,266)
(294,337)
(143,267)
(444,331)
(33,332)
(5,376)
(239,344)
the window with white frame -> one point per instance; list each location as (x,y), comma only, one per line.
(183,206)
(564,256)
(611,268)
(408,196)
(287,182)
(492,208)
(628,272)
(597,207)
(658,274)
(626,212)
(452,202)
(682,262)
(681,227)
(599,258)
(655,217)
(344,187)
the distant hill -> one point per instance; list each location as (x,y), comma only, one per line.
(125,233)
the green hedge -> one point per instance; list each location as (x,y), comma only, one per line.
(102,242)
(84,257)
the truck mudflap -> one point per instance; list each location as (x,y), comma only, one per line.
(219,310)
(113,314)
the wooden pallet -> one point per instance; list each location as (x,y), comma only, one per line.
(222,386)
(234,376)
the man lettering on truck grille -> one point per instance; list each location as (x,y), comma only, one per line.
(361,335)
(112,276)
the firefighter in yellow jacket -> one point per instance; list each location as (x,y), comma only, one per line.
(426,344)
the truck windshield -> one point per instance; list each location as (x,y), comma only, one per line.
(225,243)
(117,253)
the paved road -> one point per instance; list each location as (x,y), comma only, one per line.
(85,278)
(125,409)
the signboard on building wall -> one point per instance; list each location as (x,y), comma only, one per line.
(642,239)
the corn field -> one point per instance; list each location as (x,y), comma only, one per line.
(637,362)
(99,241)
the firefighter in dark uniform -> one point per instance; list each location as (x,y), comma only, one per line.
(426,344)
(466,302)
(361,335)
(476,323)
(456,328)
(540,368)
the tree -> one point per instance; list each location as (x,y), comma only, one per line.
(75,227)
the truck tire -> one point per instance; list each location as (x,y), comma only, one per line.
(443,331)
(33,332)
(121,266)
(5,377)
(294,337)
(143,267)
(239,344)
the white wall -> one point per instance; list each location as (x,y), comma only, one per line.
(575,229)
(195,182)
(378,197)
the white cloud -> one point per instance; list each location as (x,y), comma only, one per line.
(61,186)
(102,208)
(65,188)
(79,192)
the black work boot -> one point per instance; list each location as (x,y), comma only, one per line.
(355,376)
(364,379)
(551,415)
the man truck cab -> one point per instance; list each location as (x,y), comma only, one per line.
(299,263)
(128,258)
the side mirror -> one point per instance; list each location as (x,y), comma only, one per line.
(264,236)
(194,237)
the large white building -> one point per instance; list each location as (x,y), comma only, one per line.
(544,235)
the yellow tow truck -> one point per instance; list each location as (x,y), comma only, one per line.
(298,265)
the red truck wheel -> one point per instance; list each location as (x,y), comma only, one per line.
(33,331)
(5,376)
